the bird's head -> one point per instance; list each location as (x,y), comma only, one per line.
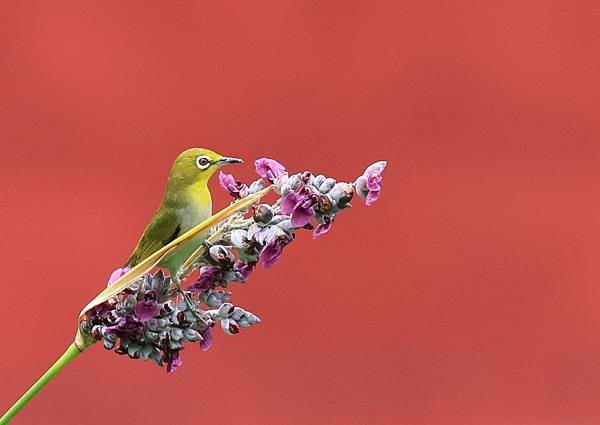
(198,164)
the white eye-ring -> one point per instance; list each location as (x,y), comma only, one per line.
(203,162)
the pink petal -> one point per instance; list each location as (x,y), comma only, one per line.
(372,196)
(117,274)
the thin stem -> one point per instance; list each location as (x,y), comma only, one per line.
(69,355)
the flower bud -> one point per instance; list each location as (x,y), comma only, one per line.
(129,303)
(151,335)
(256,186)
(169,306)
(233,276)
(133,350)
(191,335)
(145,352)
(306,177)
(85,327)
(135,286)
(361,187)
(175,317)
(280,182)
(285,189)
(175,345)
(237,313)
(221,254)
(108,344)
(286,226)
(230,327)
(318,180)
(239,238)
(295,182)
(262,213)
(341,194)
(176,334)
(225,310)
(327,185)
(324,204)
(377,167)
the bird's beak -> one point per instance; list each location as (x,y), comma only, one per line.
(226,161)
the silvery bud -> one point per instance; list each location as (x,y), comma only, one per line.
(151,335)
(175,345)
(307,177)
(256,186)
(191,335)
(86,327)
(248,319)
(233,276)
(108,344)
(221,254)
(129,303)
(377,167)
(361,187)
(152,325)
(324,204)
(169,306)
(327,185)
(272,233)
(146,351)
(239,238)
(159,283)
(286,226)
(230,327)
(285,189)
(280,183)
(225,310)
(341,194)
(133,350)
(175,317)
(279,218)
(295,181)
(254,230)
(318,180)
(176,334)
(237,313)
(216,298)
(262,213)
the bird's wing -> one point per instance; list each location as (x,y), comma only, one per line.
(163,229)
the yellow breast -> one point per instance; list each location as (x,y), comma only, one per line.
(196,208)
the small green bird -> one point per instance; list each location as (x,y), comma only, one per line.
(186,203)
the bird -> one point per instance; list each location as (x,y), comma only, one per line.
(186,203)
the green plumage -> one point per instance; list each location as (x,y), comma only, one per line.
(186,203)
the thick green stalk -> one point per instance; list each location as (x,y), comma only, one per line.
(69,355)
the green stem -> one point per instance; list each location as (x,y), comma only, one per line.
(69,355)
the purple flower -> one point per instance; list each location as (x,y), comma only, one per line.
(300,206)
(117,274)
(207,339)
(146,310)
(368,186)
(97,314)
(244,268)
(269,168)
(206,280)
(173,360)
(127,327)
(272,252)
(231,185)
(324,227)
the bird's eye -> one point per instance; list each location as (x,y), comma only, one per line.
(202,162)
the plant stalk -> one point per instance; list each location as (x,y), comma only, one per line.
(69,355)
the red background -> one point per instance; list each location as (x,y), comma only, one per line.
(467,295)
